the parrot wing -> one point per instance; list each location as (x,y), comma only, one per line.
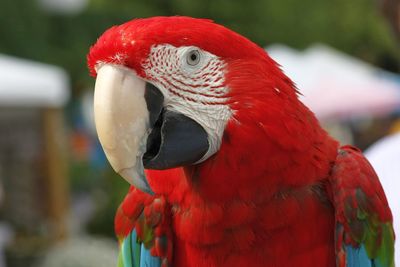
(143,230)
(364,233)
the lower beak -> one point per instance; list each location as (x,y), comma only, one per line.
(137,132)
(122,121)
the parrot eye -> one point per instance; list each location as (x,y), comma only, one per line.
(193,57)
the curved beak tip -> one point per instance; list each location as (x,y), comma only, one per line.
(137,179)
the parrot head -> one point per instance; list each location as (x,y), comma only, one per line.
(173,91)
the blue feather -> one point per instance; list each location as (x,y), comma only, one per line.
(135,250)
(357,257)
(146,260)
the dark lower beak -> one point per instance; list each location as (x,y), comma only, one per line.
(175,140)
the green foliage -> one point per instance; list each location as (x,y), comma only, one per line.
(108,195)
(355,27)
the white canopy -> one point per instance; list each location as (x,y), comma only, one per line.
(64,6)
(384,156)
(25,83)
(334,84)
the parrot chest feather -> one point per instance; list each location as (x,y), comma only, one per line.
(245,233)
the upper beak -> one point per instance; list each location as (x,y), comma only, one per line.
(136,131)
(122,121)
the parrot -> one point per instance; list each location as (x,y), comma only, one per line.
(227,166)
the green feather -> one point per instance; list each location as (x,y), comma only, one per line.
(385,253)
(120,260)
(127,251)
(368,230)
(361,214)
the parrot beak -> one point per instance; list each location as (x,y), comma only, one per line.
(122,121)
(137,132)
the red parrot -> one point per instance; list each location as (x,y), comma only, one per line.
(238,171)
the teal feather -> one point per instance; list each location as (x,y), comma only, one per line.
(357,257)
(146,260)
(134,253)
(127,251)
(136,248)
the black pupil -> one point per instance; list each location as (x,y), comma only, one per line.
(193,56)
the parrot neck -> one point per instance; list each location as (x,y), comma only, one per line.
(257,183)
(255,163)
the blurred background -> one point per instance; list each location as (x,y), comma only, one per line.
(58,194)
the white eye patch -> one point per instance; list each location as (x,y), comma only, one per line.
(193,83)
